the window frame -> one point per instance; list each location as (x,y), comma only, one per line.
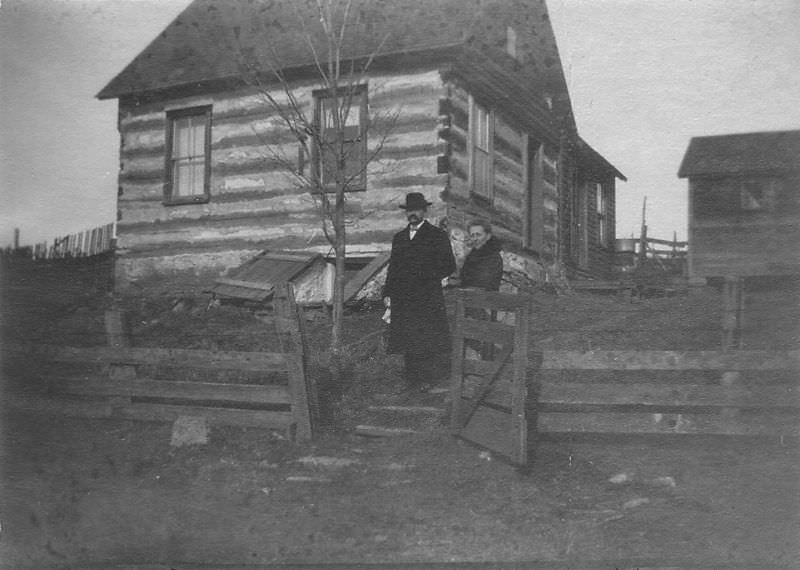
(602,214)
(478,111)
(170,199)
(319,96)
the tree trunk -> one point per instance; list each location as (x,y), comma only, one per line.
(339,279)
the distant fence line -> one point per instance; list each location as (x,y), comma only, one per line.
(81,244)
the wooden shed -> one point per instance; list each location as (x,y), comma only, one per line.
(744,204)
(483,128)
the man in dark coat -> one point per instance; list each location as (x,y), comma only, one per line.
(483,266)
(421,257)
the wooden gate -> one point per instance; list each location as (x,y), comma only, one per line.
(489,387)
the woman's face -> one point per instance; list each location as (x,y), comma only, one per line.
(477,237)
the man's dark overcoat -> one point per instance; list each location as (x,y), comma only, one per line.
(414,284)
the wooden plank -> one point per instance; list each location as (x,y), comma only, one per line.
(302,391)
(223,416)
(354,285)
(268,287)
(188,358)
(519,389)
(457,366)
(486,331)
(769,423)
(490,428)
(245,393)
(671,360)
(652,394)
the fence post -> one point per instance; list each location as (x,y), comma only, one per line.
(116,331)
(732,312)
(302,390)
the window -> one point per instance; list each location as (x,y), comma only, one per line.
(481,151)
(603,225)
(734,196)
(188,167)
(511,42)
(348,159)
(757,195)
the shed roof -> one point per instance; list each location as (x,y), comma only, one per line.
(255,280)
(730,155)
(208,40)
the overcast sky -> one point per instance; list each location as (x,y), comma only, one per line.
(644,75)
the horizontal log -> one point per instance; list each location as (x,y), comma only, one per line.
(765,424)
(652,394)
(208,391)
(179,357)
(671,360)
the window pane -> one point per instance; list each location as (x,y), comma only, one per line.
(180,137)
(481,173)
(198,136)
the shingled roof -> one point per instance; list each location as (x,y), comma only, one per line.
(208,39)
(730,155)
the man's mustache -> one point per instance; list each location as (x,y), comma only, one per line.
(413,218)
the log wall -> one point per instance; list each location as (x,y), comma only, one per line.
(255,202)
(508,207)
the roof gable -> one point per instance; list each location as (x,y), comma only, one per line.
(730,155)
(208,40)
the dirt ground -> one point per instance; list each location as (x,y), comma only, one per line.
(77,492)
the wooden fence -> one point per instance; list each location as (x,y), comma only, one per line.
(504,408)
(81,244)
(753,393)
(114,382)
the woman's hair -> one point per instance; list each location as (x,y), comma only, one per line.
(487,226)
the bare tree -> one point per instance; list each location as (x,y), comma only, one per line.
(332,131)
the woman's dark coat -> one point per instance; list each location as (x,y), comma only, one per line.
(483,267)
(414,284)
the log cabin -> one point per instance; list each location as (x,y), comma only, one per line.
(744,204)
(483,127)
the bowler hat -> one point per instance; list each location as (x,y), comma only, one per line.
(415,201)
